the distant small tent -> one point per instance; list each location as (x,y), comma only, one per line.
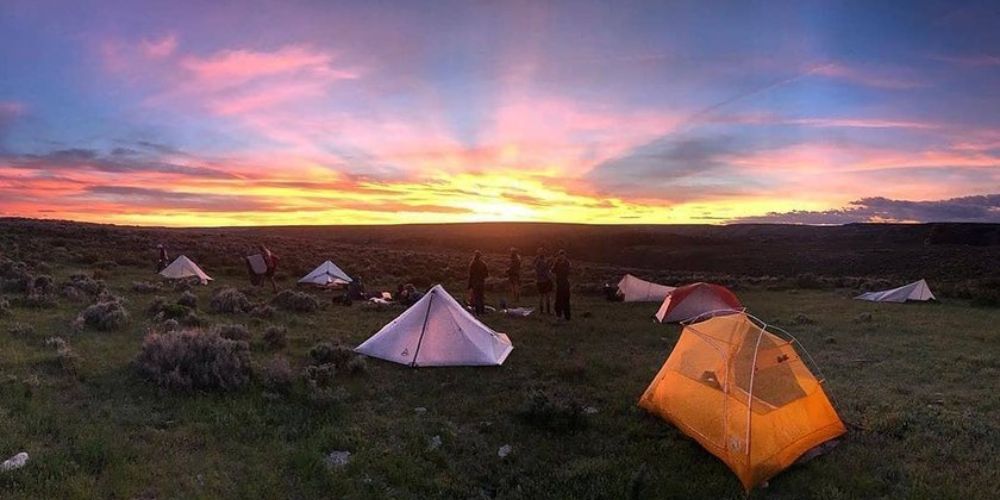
(918,290)
(633,289)
(183,267)
(327,275)
(697,300)
(437,331)
(741,390)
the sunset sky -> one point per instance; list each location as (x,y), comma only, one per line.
(285,112)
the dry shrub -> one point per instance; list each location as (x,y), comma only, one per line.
(233,332)
(277,375)
(188,299)
(20,330)
(545,411)
(194,360)
(105,316)
(66,357)
(85,284)
(291,300)
(262,311)
(326,352)
(36,300)
(145,287)
(229,300)
(276,337)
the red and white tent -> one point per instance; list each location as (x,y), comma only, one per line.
(697,300)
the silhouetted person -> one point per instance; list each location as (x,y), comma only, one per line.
(161,261)
(514,276)
(271,262)
(561,270)
(543,280)
(478,272)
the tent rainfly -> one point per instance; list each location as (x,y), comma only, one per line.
(634,289)
(697,300)
(918,290)
(183,267)
(741,390)
(437,331)
(327,274)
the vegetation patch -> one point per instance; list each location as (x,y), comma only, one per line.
(194,360)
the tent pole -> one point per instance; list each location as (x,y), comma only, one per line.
(423,328)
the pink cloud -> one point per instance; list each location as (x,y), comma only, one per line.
(160,47)
(884,78)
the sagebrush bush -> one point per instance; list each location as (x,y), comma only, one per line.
(36,300)
(194,360)
(545,411)
(320,376)
(276,337)
(233,332)
(229,300)
(145,287)
(291,300)
(105,316)
(277,375)
(85,284)
(357,366)
(43,284)
(262,311)
(20,330)
(326,352)
(4,307)
(188,299)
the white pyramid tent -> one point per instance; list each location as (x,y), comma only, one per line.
(183,267)
(327,274)
(918,290)
(633,289)
(437,331)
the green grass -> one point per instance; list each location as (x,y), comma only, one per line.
(917,387)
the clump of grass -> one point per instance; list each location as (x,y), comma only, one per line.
(291,300)
(276,337)
(194,360)
(188,299)
(145,287)
(229,300)
(233,332)
(106,315)
(545,411)
(277,375)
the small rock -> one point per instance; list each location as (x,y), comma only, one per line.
(504,451)
(420,410)
(434,443)
(338,458)
(15,462)
(590,410)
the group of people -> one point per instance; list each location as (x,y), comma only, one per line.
(550,274)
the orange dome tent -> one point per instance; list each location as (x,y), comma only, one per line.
(742,391)
(696,300)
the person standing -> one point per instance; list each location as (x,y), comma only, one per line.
(543,280)
(514,276)
(271,261)
(161,261)
(561,270)
(478,272)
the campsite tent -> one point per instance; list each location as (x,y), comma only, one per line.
(696,300)
(633,289)
(437,331)
(183,267)
(327,274)
(740,389)
(918,290)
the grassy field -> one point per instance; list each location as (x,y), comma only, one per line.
(917,386)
